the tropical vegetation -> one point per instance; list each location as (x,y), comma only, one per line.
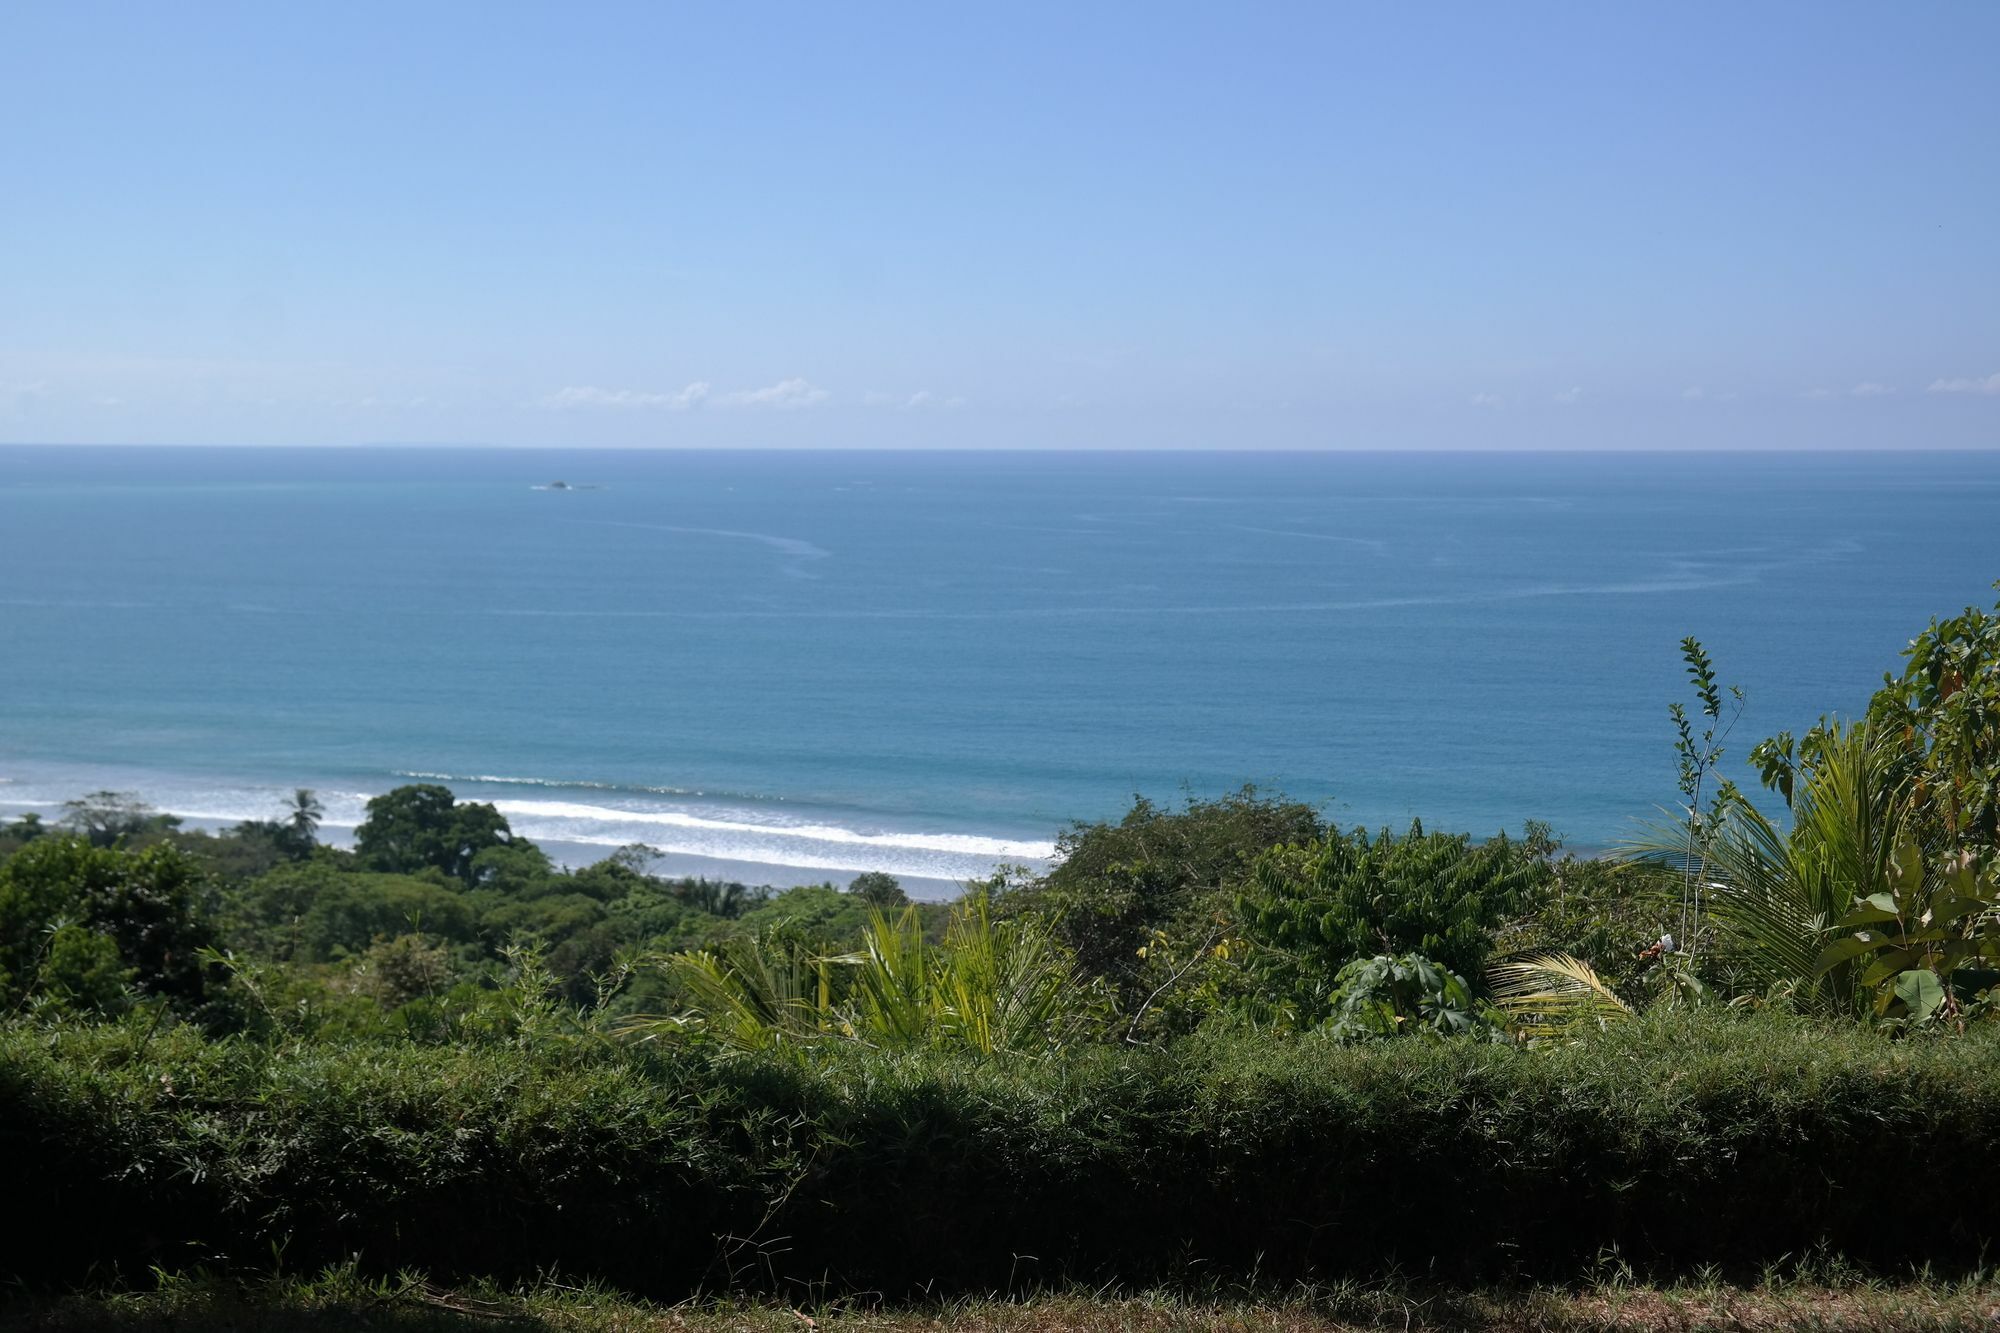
(1224,1036)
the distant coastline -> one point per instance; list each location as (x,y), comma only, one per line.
(965,649)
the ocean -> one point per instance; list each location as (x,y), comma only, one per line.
(788,667)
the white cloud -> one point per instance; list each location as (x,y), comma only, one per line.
(1870,389)
(1694,391)
(1567,397)
(784,395)
(588,395)
(1817,393)
(922,398)
(1989,385)
(1484,400)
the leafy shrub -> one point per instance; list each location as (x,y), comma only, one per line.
(1389,996)
(1313,909)
(1720,1139)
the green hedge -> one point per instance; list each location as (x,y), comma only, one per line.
(1732,1141)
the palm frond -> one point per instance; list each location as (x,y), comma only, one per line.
(1775,896)
(1554,994)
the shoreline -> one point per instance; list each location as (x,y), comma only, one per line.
(688,836)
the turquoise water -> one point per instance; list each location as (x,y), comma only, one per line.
(824,662)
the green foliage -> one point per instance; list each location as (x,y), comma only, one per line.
(1409,995)
(420,826)
(150,905)
(237,855)
(292,838)
(1938,727)
(990,987)
(1311,910)
(1172,872)
(396,971)
(1708,1138)
(1699,756)
(1907,941)
(21,832)
(302,815)
(1778,896)
(514,869)
(1554,995)
(316,912)
(717,898)
(82,974)
(879,890)
(1607,913)
(1942,715)
(816,912)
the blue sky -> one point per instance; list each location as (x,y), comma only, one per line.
(1312,226)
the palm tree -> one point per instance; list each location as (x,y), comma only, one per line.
(304,812)
(713,896)
(302,816)
(990,987)
(1777,898)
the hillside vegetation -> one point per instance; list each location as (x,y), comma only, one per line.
(1224,1041)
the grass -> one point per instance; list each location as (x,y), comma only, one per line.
(343,1299)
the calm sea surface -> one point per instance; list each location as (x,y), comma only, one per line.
(927,663)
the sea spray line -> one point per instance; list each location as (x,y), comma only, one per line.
(578,783)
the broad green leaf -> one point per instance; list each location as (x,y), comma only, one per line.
(1921,992)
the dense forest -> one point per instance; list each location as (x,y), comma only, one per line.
(1225,1035)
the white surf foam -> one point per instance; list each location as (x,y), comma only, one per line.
(579,784)
(660,818)
(957,844)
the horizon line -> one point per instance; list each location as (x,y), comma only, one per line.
(390,446)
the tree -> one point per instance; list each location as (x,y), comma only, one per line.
(1942,715)
(422,825)
(724,898)
(879,890)
(1937,730)
(1844,911)
(314,912)
(517,869)
(20,833)
(151,905)
(302,815)
(104,817)
(1119,890)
